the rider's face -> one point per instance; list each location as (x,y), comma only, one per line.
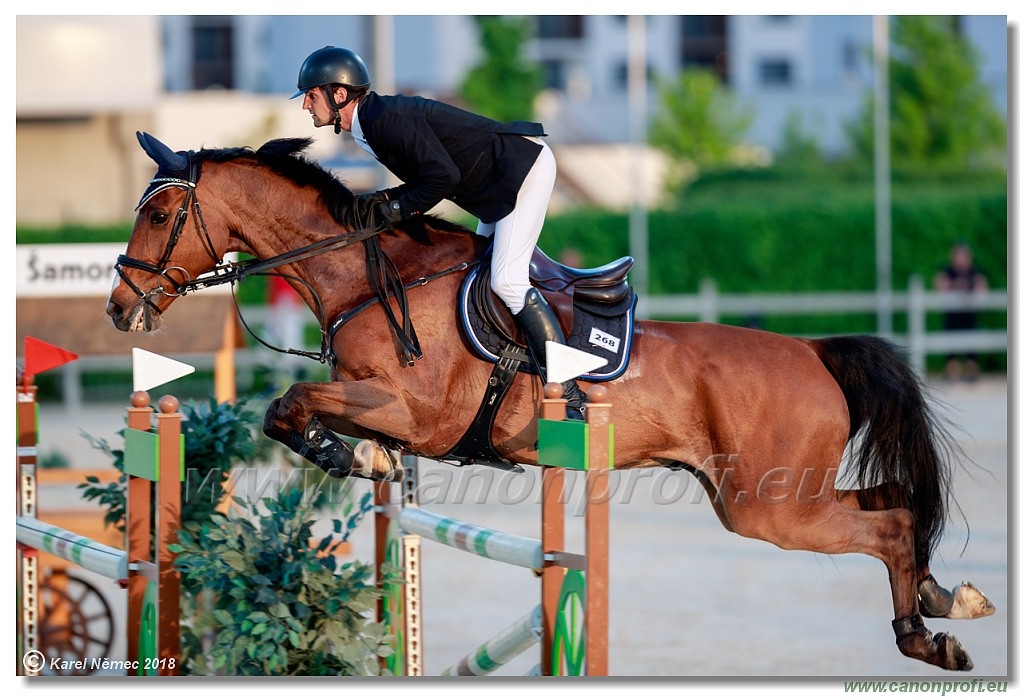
(315,102)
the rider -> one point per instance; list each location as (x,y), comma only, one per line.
(502,173)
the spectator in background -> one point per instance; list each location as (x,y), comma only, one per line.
(285,322)
(571,256)
(963,277)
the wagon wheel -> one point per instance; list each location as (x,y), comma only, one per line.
(77,623)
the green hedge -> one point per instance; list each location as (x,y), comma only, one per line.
(797,238)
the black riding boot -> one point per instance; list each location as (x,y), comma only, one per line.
(538,324)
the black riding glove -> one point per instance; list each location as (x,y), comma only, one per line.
(376,212)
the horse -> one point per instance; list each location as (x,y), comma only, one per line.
(761,419)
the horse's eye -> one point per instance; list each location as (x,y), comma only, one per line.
(158,218)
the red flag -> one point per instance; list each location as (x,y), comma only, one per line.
(41,356)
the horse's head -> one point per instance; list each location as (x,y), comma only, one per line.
(162,253)
(272,204)
(171,244)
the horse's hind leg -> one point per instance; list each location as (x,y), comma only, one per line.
(964,602)
(821,524)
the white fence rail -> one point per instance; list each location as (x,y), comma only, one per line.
(709,305)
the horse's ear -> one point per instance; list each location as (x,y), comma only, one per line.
(160,153)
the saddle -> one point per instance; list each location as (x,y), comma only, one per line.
(560,285)
(594,307)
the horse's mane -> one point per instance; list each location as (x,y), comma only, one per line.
(286,157)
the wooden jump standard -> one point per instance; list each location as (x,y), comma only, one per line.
(571,584)
(154,461)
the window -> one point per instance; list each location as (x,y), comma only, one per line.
(213,53)
(621,75)
(704,43)
(775,72)
(851,54)
(560,26)
(553,74)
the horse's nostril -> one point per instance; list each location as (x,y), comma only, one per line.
(113,310)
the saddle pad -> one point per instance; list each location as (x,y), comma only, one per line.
(599,329)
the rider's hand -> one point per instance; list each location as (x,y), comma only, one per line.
(375,211)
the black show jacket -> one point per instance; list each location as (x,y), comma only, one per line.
(442,152)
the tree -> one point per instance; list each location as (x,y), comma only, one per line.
(940,112)
(698,120)
(798,148)
(503,85)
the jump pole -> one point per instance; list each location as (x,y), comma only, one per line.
(562,444)
(153,461)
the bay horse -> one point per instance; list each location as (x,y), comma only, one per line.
(762,420)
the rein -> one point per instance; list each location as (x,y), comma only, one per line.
(384,277)
(418,282)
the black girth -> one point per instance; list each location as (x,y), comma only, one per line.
(477,446)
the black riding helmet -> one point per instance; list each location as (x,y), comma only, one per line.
(332,65)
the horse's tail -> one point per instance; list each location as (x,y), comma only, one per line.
(902,443)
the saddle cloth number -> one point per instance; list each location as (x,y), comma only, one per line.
(604,340)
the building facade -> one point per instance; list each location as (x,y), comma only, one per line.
(815,66)
(224,80)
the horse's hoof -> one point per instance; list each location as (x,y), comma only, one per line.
(954,656)
(969,603)
(376,463)
(941,649)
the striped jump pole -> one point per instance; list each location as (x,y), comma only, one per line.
(77,549)
(502,648)
(154,463)
(572,585)
(482,541)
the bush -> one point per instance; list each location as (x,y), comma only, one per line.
(271,603)
(764,233)
(258,597)
(217,437)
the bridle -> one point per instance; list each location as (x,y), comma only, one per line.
(384,275)
(160,269)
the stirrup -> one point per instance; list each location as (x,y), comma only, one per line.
(323,448)
(576,406)
(576,412)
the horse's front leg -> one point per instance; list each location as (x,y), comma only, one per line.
(308,418)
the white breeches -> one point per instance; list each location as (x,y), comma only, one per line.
(515,236)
